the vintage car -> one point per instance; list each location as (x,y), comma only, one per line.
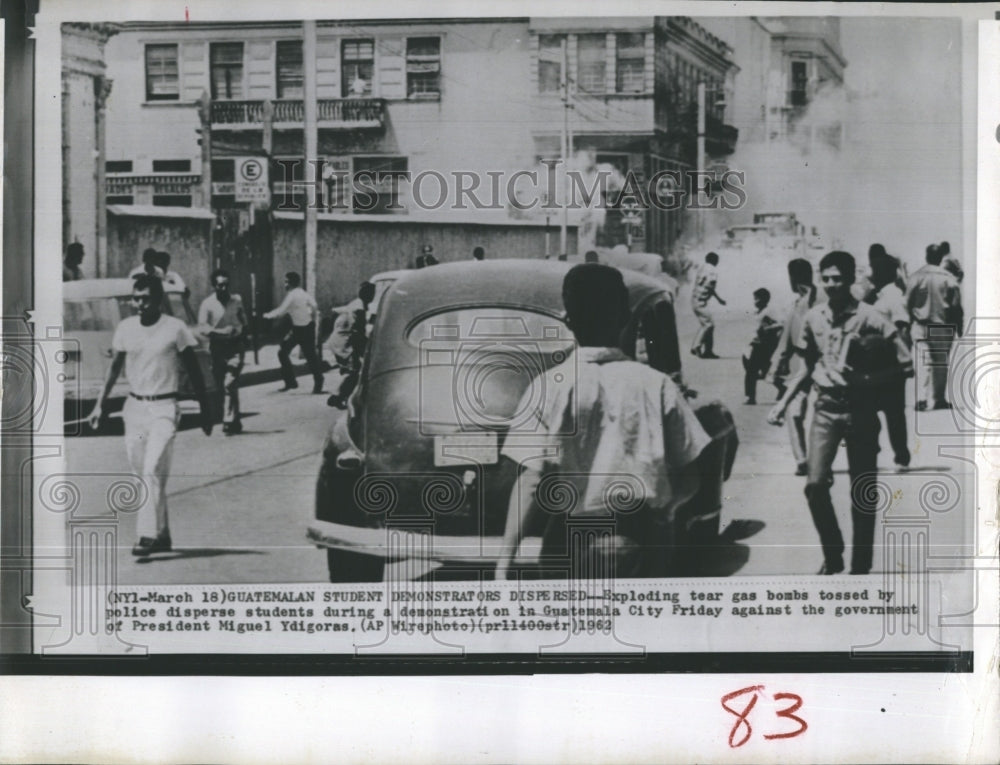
(92,308)
(412,471)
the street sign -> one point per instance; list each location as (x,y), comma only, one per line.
(252,180)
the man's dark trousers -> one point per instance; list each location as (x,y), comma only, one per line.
(305,338)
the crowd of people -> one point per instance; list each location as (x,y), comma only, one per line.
(851,355)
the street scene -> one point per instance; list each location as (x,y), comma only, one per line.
(677,292)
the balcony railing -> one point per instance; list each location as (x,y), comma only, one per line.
(174,183)
(330,113)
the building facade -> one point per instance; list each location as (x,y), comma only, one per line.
(449,97)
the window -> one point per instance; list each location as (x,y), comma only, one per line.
(289,55)
(171,200)
(171,165)
(288,175)
(591,63)
(630,63)
(227,70)
(162,83)
(118,199)
(118,166)
(800,79)
(376,187)
(550,61)
(357,65)
(423,67)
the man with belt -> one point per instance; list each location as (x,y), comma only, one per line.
(849,349)
(222,319)
(301,309)
(148,347)
(934,302)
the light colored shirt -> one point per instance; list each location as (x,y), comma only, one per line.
(704,283)
(826,341)
(619,426)
(213,315)
(152,353)
(891,303)
(790,333)
(934,297)
(298,304)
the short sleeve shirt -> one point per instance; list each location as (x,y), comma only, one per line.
(704,283)
(827,339)
(891,303)
(151,360)
(609,424)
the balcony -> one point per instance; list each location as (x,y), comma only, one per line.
(331,113)
(720,139)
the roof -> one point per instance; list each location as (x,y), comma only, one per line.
(155,211)
(87,289)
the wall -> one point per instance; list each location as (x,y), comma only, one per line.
(186,239)
(349,251)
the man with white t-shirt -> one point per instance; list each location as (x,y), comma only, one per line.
(148,346)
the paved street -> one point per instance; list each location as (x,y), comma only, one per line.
(239,505)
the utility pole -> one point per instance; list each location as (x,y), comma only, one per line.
(701,159)
(564,148)
(309,105)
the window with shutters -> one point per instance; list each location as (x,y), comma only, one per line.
(550,62)
(289,69)
(227,70)
(357,65)
(423,67)
(630,61)
(591,63)
(162,82)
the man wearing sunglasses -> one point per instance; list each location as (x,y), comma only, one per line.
(222,319)
(148,347)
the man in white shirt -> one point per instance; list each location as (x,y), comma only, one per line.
(621,442)
(301,309)
(148,347)
(222,319)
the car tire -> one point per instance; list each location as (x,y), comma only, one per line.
(346,567)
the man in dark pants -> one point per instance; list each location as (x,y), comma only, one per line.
(301,309)
(891,396)
(843,342)
(222,319)
(757,358)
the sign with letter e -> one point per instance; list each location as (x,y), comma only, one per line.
(251,180)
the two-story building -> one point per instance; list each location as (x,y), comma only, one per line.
(425,97)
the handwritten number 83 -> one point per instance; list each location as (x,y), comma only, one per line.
(742,730)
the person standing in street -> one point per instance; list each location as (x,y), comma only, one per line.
(800,276)
(301,308)
(891,397)
(642,428)
(934,303)
(762,345)
(701,295)
(222,318)
(148,347)
(848,347)
(72,261)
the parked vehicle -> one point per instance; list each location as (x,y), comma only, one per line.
(412,471)
(92,308)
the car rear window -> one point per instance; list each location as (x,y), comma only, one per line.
(489,323)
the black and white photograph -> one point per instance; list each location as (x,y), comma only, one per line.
(569,343)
